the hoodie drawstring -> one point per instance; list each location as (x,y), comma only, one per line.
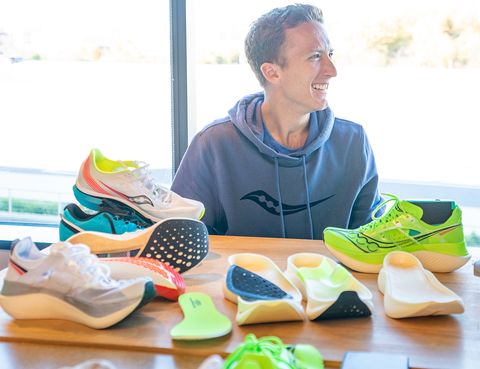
(308,197)
(280,203)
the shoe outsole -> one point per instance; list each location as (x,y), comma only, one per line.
(178,242)
(250,286)
(348,305)
(44,306)
(433,261)
(340,294)
(265,311)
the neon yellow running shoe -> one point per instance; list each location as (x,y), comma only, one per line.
(404,227)
(271,353)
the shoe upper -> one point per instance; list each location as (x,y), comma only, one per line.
(401,227)
(71,273)
(271,353)
(132,183)
(104,221)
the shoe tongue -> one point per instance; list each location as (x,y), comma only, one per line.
(412,209)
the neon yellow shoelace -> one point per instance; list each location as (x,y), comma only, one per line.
(269,346)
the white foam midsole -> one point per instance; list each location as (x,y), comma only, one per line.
(43,306)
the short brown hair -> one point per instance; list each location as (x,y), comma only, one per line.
(267,34)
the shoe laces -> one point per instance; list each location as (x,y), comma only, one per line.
(269,346)
(391,214)
(82,263)
(385,218)
(144,176)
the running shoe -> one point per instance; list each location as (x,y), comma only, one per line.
(130,183)
(179,242)
(271,353)
(115,221)
(439,246)
(68,283)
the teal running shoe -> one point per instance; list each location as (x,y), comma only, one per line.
(439,244)
(271,353)
(110,219)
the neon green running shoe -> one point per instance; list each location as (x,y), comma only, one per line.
(271,353)
(404,227)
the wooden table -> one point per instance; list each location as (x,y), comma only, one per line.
(430,342)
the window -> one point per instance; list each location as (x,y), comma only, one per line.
(77,75)
(407,72)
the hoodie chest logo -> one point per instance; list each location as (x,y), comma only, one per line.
(272,205)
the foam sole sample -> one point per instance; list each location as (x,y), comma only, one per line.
(410,290)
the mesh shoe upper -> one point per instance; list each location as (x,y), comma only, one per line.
(74,219)
(131,182)
(71,273)
(401,228)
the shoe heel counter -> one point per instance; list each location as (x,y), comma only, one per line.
(64,232)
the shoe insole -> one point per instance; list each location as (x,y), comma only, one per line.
(411,290)
(201,319)
(250,286)
(334,284)
(411,284)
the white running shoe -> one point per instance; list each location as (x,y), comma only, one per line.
(131,183)
(68,283)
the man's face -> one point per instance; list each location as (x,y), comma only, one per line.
(307,67)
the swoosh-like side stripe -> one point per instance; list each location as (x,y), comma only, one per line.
(377,244)
(115,191)
(89,179)
(17,267)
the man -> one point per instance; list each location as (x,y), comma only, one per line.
(280,164)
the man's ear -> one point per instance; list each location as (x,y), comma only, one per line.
(270,72)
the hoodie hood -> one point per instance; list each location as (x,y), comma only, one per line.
(246,116)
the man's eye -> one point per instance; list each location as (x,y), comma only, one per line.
(316,56)
(330,53)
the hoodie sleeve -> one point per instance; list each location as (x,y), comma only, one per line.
(195,180)
(368,196)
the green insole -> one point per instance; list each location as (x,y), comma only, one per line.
(201,319)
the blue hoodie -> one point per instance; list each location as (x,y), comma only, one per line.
(252,186)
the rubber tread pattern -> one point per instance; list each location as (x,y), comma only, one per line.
(179,243)
(251,286)
(348,305)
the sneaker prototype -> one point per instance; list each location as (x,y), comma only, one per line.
(70,284)
(178,242)
(74,220)
(439,246)
(271,353)
(130,183)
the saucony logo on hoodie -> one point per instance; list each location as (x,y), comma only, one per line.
(271,204)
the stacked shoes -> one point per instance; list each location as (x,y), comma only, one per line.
(124,196)
(134,216)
